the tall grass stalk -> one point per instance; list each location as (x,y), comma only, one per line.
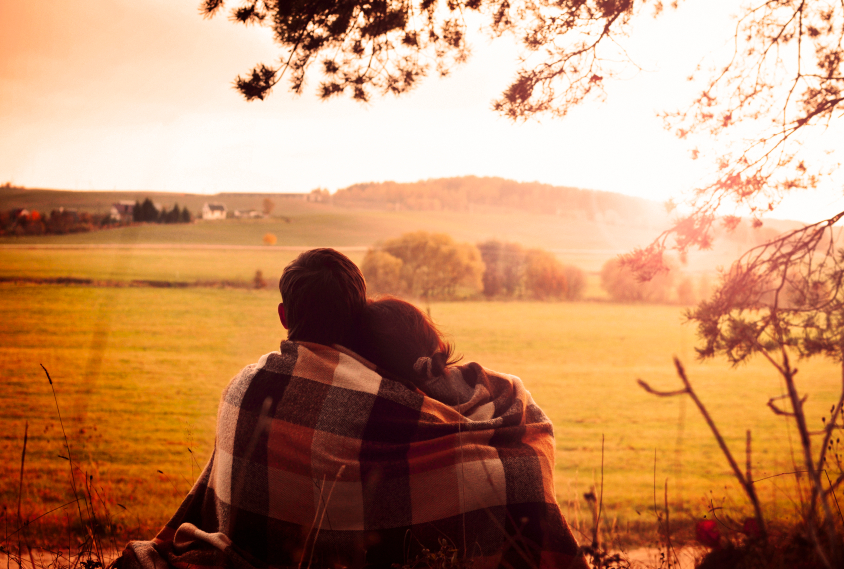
(66,444)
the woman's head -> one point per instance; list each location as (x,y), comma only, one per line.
(394,334)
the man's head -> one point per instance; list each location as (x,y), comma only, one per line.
(323,294)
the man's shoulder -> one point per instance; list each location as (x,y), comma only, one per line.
(307,361)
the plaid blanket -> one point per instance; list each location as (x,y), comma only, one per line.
(323,461)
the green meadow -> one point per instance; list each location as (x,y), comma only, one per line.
(137,374)
(136,263)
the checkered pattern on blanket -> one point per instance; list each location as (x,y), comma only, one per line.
(322,461)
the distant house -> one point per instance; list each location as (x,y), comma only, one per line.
(213,211)
(248,213)
(122,210)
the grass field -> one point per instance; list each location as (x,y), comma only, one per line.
(587,244)
(131,263)
(138,373)
(336,227)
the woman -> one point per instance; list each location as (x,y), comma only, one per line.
(403,341)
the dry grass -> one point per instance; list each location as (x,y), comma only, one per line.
(139,372)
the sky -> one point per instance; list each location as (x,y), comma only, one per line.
(131,95)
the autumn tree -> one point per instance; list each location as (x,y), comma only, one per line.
(545,276)
(575,282)
(432,265)
(511,271)
(319,195)
(267,206)
(383,273)
(621,283)
(504,268)
(686,291)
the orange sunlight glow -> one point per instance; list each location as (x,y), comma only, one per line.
(127,95)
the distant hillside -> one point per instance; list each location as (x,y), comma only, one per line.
(467,194)
(584,227)
(479,195)
(100,201)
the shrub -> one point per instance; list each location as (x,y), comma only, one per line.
(258,281)
(505,268)
(575,282)
(686,291)
(433,265)
(621,284)
(383,272)
(544,275)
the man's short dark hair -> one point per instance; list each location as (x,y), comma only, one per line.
(324,294)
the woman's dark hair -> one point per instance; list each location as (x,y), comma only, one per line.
(394,334)
(324,294)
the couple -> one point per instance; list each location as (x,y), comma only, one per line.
(359,444)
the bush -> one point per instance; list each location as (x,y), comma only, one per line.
(513,272)
(621,284)
(505,268)
(429,265)
(258,281)
(686,292)
(575,282)
(544,275)
(383,273)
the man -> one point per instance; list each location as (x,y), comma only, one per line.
(321,461)
(324,293)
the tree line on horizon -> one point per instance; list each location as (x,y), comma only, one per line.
(28,222)
(21,222)
(476,194)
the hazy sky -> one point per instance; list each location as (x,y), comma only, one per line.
(137,95)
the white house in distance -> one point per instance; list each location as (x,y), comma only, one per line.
(122,210)
(213,210)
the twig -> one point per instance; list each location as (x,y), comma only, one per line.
(746,483)
(656,513)
(669,546)
(324,509)
(66,444)
(777,410)
(601,496)
(747,451)
(23,460)
(780,474)
(834,496)
(313,523)
(830,427)
(35,519)
(20,494)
